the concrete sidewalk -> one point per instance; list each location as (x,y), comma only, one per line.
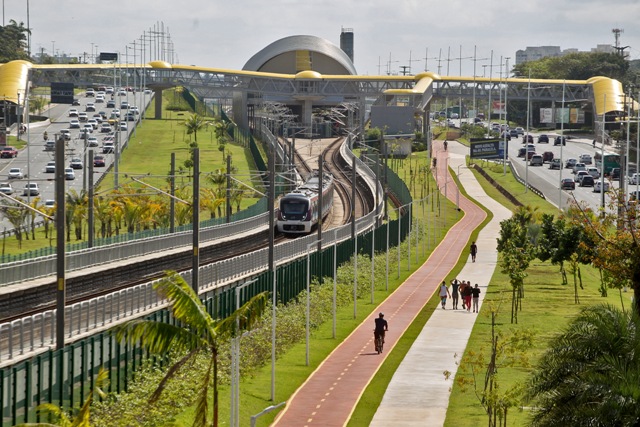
(418,394)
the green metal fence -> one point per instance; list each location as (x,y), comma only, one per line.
(64,377)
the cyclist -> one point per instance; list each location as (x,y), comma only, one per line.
(381,327)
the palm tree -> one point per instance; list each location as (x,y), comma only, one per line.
(194,124)
(199,333)
(590,375)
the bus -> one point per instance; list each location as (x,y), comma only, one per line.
(611,161)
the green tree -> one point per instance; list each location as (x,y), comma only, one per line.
(194,124)
(590,374)
(13,41)
(199,333)
(575,66)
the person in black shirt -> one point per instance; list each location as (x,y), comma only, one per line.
(474,251)
(454,293)
(475,292)
(381,327)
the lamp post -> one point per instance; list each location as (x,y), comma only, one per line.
(309,246)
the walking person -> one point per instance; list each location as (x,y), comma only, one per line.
(444,292)
(468,292)
(463,286)
(475,292)
(455,285)
(474,251)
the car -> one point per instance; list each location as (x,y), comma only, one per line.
(73,112)
(90,92)
(69,175)
(83,117)
(66,134)
(587,181)
(594,172)
(547,156)
(560,140)
(49,203)
(615,174)
(536,160)
(555,164)
(108,90)
(123,126)
(149,92)
(124,105)
(98,161)
(108,147)
(634,179)
(105,128)
(530,154)
(570,163)
(634,196)
(6,188)
(98,118)
(115,113)
(568,184)
(543,139)
(520,130)
(135,109)
(513,133)
(522,151)
(130,117)
(90,107)
(122,92)
(94,123)
(76,163)
(92,141)
(586,159)
(15,173)
(580,175)
(111,103)
(76,101)
(9,152)
(74,124)
(103,115)
(597,188)
(579,167)
(99,99)
(85,132)
(527,139)
(50,167)
(31,189)
(88,127)
(505,135)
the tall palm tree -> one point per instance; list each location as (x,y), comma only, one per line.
(590,375)
(199,333)
(194,124)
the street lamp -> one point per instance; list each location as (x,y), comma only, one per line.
(309,246)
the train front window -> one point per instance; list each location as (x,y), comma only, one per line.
(292,207)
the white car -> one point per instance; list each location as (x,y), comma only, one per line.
(15,173)
(594,172)
(49,203)
(123,126)
(597,188)
(6,188)
(586,159)
(74,124)
(634,179)
(31,189)
(73,112)
(69,175)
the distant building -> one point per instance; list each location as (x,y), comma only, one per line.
(533,53)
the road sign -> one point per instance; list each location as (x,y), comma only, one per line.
(62,93)
(108,56)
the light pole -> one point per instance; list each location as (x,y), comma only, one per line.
(309,246)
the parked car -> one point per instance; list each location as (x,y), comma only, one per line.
(587,181)
(597,188)
(50,167)
(560,140)
(8,152)
(6,188)
(543,139)
(15,173)
(568,184)
(547,156)
(31,189)
(555,164)
(586,159)
(570,163)
(98,161)
(536,160)
(579,167)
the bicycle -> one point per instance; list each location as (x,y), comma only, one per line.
(378,341)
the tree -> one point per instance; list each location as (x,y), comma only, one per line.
(575,66)
(13,42)
(590,374)
(194,124)
(199,333)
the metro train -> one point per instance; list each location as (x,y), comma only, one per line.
(299,211)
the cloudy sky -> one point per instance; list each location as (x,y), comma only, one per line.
(225,34)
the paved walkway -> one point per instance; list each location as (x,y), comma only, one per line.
(418,394)
(328,397)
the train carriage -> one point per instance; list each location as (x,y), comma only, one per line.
(299,211)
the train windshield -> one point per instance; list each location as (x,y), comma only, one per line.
(293,207)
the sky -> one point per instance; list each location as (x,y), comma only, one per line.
(388,34)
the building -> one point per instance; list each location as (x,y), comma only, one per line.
(533,53)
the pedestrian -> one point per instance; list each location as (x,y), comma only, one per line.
(463,286)
(454,293)
(475,292)
(468,292)
(474,251)
(444,292)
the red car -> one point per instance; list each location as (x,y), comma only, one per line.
(98,161)
(8,152)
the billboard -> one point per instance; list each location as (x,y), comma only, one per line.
(62,93)
(487,149)
(108,56)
